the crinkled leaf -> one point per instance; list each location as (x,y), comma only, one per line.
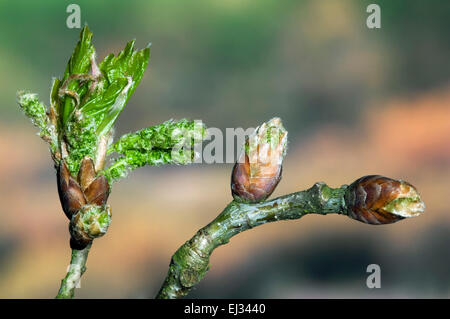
(103,91)
(135,159)
(79,63)
(36,111)
(172,142)
(166,135)
(126,71)
(90,98)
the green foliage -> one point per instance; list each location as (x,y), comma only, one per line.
(163,136)
(79,63)
(135,159)
(122,75)
(36,111)
(84,105)
(90,98)
(87,101)
(81,141)
(171,142)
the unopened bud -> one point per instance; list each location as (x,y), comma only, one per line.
(90,222)
(258,169)
(378,200)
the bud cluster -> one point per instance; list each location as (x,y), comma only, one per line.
(84,202)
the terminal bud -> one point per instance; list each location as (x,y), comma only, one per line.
(375,199)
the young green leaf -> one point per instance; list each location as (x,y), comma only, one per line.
(122,75)
(172,142)
(134,159)
(79,63)
(36,111)
(166,136)
(89,99)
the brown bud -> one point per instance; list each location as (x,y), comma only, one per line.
(86,174)
(88,190)
(70,194)
(250,188)
(258,169)
(98,191)
(375,199)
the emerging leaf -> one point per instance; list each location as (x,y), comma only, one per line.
(122,75)
(162,136)
(36,111)
(79,63)
(89,98)
(168,143)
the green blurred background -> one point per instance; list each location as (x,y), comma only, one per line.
(355,101)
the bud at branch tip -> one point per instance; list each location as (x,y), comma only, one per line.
(375,199)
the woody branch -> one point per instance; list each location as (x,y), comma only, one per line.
(371,199)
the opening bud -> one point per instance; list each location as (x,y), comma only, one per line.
(258,169)
(90,222)
(375,199)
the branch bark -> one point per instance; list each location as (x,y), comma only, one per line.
(190,262)
(76,270)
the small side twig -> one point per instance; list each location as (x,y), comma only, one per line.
(190,262)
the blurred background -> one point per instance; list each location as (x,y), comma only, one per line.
(355,101)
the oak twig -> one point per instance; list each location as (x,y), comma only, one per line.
(190,262)
(76,270)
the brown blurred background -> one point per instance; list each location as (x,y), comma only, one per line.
(355,101)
